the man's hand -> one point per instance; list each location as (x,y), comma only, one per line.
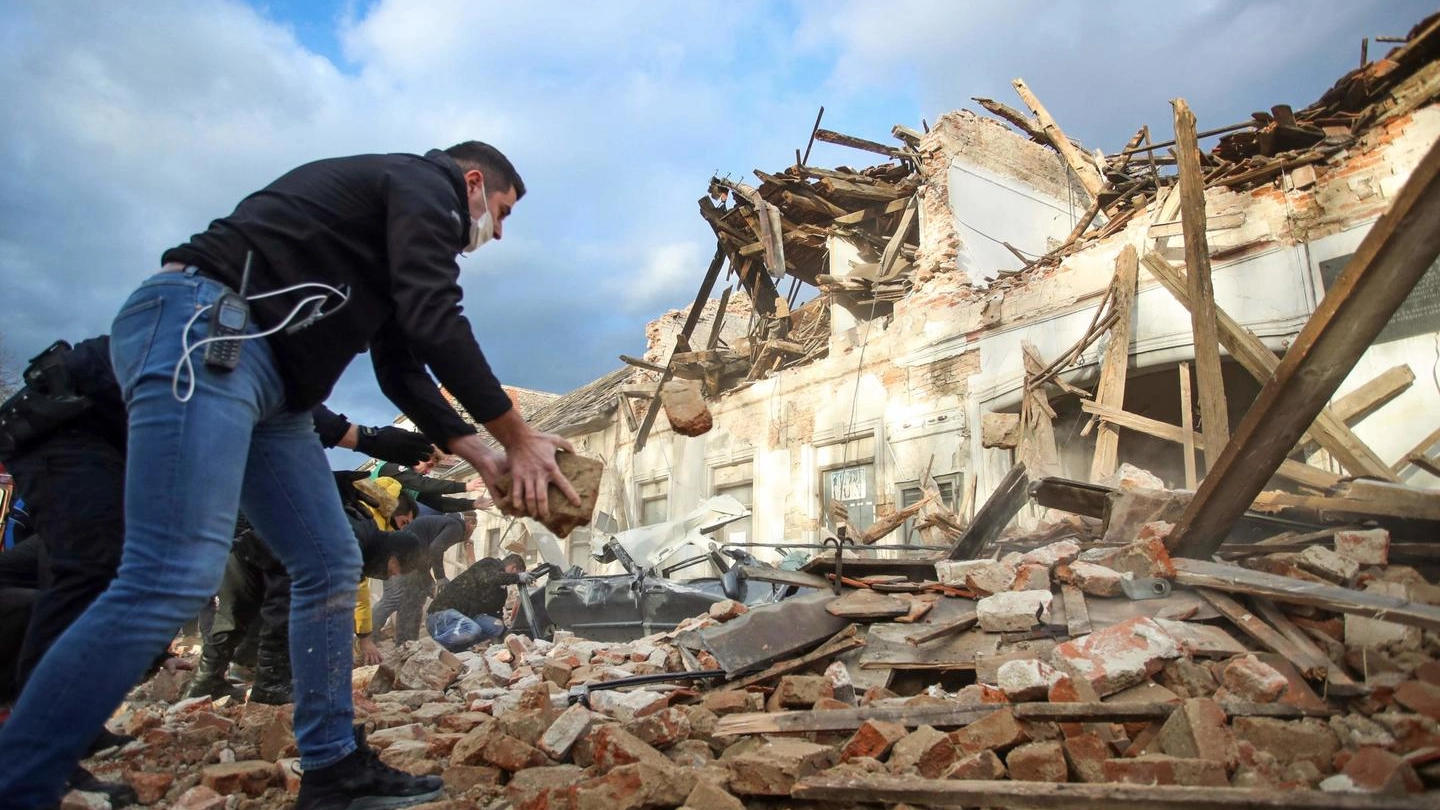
(483,502)
(475,485)
(403,447)
(533,469)
(369,653)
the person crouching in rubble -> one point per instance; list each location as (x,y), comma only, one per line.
(334,257)
(467,610)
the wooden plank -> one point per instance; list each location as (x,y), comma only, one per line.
(715,327)
(1422,449)
(1234,579)
(994,516)
(848,788)
(1037,450)
(830,136)
(1089,177)
(1020,120)
(1077,614)
(870,212)
(1370,397)
(638,363)
(1361,498)
(1328,430)
(1314,662)
(1292,470)
(1111,389)
(889,647)
(1214,413)
(1391,260)
(1425,463)
(764,573)
(1240,616)
(892,249)
(943,716)
(965,622)
(1219,222)
(1187,428)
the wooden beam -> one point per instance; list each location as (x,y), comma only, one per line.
(1313,477)
(1393,257)
(857,217)
(830,136)
(1089,177)
(719,322)
(1019,120)
(1421,449)
(1328,430)
(1214,413)
(1339,682)
(638,363)
(1111,390)
(846,789)
(1007,499)
(892,249)
(1234,579)
(1370,397)
(1362,497)
(1187,427)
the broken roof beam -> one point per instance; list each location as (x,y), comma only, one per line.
(830,136)
(1214,416)
(1328,430)
(1393,257)
(1083,168)
(1020,120)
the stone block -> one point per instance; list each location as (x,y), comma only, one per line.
(462,778)
(1289,741)
(726,610)
(489,745)
(774,767)
(1142,558)
(614,746)
(663,728)
(635,786)
(1119,656)
(1368,547)
(991,576)
(1032,577)
(1038,762)
(925,751)
(1013,611)
(430,667)
(1362,631)
(1327,564)
(1063,551)
(385,737)
(709,796)
(733,701)
(1092,579)
(1023,680)
(797,692)
(1000,430)
(411,756)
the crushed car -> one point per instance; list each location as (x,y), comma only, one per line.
(648,597)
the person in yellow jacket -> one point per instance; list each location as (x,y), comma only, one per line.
(385,500)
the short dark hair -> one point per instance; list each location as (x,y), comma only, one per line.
(404,505)
(500,174)
(513,560)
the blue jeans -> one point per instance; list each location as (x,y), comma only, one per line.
(189,466)
(455,631)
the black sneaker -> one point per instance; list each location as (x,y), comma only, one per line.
(119,793)
(361,781)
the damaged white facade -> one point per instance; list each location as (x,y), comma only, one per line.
(904,393)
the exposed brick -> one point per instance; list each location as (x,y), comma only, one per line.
(925,751)
(251,777)
(1250,678)
(462,722)
(797,692)
(489,745)
(1158,769)
(1327,564)
(462,778)
(996,731)
(1369,547)
(1198,729)
(1119,656)
(200,797)
(1013,610)
(535,788)
(1032,577)
(1289,741)
(386,737)
(873,739)
(1038,762)
(1419,697)
(635,786)
(149,787)
(1373,770)
(731,702)
(1026,679)
(727,609)
(979,765)
(662,729)
(1086,755)
(1062,551)
(708,796)
(1092,579)
(411,756)
(614,746)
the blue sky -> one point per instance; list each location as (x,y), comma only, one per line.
(129,126)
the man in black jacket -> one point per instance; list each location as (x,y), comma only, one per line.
(334,257)
(468,609)
(417,481)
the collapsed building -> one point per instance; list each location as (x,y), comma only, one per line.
(975,368)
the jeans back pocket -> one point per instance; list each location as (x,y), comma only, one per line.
(132,336)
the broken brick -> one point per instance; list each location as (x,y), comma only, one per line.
(773,769)
(1038,762)
(251,777)
(979,765)
(1092,579)
(1308,740)
(926,751)
(1368,547)
(1419,697)
(874,738)
(996,731)
(1250,678)
(614,746)
(1198,729)
(1013,610)
(797,692)
(1159,769)
(1086,755)
(1119,656)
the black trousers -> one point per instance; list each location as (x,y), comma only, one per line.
(251,589)
(15,605)
(73,483)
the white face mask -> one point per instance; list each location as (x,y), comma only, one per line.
(482,230)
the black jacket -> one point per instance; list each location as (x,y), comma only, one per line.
(386,228)
(427,490)
(478,589)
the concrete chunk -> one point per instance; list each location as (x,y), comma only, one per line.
(1013,611)
(1119,656)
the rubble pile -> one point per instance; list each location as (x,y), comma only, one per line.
(1036,666)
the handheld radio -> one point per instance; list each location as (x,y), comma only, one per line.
(229,316)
